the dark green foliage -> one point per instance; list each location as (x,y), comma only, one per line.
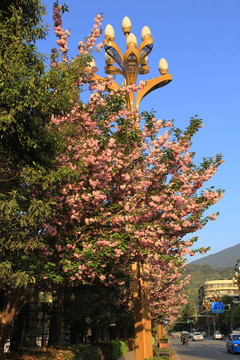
(97,311)
(27,91)
(230,320)
(22,116)
(83,352)
(28,99)
(27,149)
(29,22)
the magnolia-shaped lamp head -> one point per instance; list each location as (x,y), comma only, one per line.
(145,33)
(126,25)
(131,40)
(163,66)
(109,32)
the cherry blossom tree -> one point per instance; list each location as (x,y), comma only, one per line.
(125,194)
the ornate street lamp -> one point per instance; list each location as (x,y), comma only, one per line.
(133,62)
(130,65)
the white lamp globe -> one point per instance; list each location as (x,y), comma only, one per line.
(126,25)
(131,40)
(145,33)
(109,32)
(163,66)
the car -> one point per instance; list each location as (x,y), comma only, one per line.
(197,336)
(233,342)
(218,336)
(190,335)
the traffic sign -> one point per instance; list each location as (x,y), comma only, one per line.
(217,307)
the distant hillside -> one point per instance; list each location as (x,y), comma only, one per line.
(222,259)
(201,273)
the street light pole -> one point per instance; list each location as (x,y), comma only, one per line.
(130,65)
(207,305)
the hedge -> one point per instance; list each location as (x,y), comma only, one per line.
(161,354)
(118,348)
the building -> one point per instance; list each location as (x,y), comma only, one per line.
(213,290)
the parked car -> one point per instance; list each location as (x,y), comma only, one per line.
(190,335)
(233,342)
(197,336)
(218,336)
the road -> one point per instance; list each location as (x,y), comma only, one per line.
(207,349)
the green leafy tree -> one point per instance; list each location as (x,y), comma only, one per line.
(188,314)
(94,307)
(230,320)
(27,150)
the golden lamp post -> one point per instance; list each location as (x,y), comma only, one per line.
(207,305)
(130,65)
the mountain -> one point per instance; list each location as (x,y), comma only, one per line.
(220,265)
(222,259)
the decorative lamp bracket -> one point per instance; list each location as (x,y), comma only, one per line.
(113,70)
(145,48)
(151,85)
(114,52)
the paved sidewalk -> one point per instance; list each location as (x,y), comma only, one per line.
(174,354)
(131,355)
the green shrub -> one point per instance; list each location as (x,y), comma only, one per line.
(119,347)
(85,352)
(164,339)
(161,354)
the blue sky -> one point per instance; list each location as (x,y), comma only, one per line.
(201,42)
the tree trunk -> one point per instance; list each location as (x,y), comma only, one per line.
(4,329)
(59,317)
(19,329)
(12,302)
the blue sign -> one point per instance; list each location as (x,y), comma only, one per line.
(217,307)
